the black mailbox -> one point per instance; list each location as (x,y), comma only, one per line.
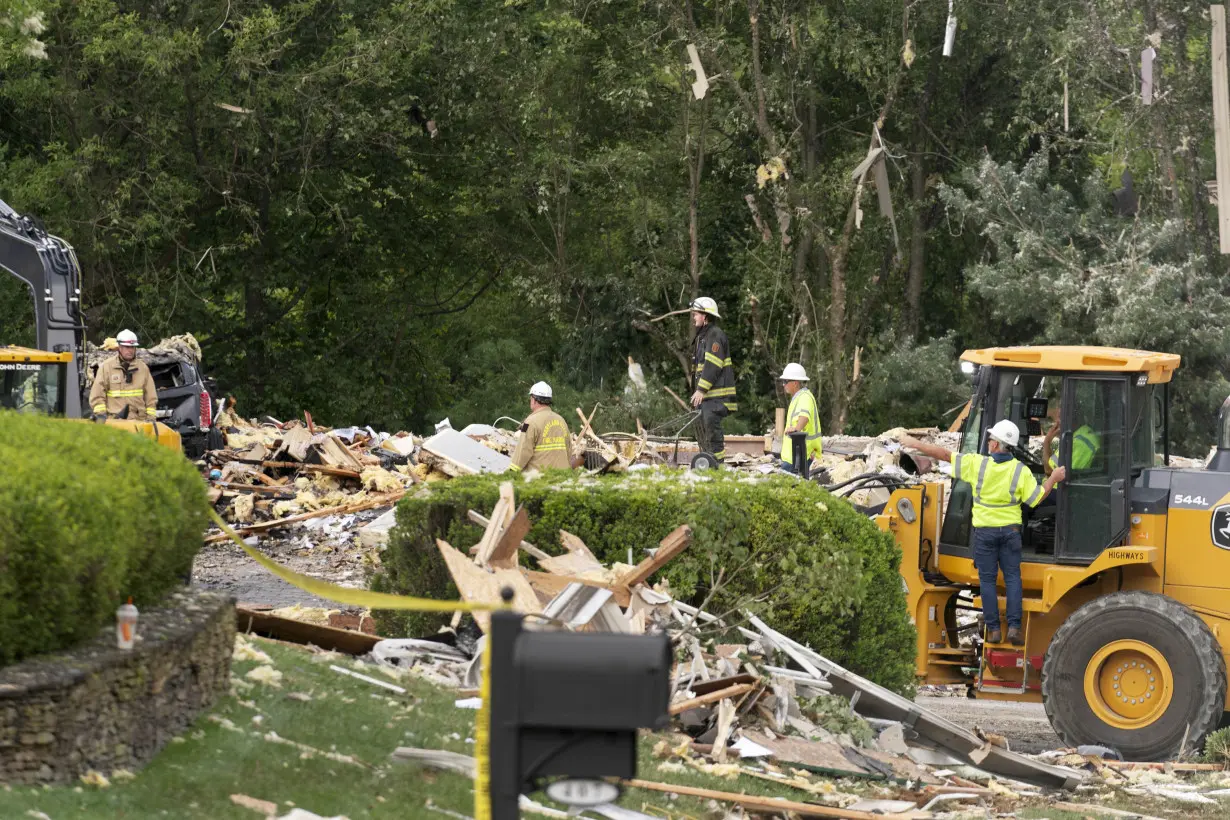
(565,703)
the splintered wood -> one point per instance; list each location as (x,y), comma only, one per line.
(628,606)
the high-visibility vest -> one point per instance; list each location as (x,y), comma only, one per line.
(803,402)
(1085,445)
(999,489)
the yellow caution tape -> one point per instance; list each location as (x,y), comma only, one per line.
(383,600)
(345,595)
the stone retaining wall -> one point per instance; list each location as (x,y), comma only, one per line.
(98,707)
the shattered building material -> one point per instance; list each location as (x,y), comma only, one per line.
(455,454)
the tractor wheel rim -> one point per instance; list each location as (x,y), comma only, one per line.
(1128,684)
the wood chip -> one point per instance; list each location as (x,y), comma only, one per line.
(265,807)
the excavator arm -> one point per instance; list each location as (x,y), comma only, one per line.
(48,266)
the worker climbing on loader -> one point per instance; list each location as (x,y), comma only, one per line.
(123,386)
(801,417)
(543,443)
(1001,485)
(713,377)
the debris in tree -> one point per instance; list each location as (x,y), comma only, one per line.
(701,84)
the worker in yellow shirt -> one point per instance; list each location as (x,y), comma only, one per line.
(544,441)
(123,386)
(1001,485)
(802,416)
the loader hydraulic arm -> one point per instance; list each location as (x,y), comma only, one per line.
(48,266)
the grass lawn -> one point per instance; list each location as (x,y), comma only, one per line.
(348,717)
(235,750)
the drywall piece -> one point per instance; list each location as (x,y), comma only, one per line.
(454,454)
(375,535)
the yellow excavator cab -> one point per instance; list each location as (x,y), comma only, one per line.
(1125,567)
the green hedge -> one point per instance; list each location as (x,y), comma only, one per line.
(89,515)
(827,575)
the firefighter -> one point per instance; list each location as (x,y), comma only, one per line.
(1001,485)
(544,441)
(803,416)
(713,377)
(123,386)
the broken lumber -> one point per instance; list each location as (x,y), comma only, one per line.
(1172,767)
(311,468)
(552,584)
(477,585)
(342,509)
(300,632)
(669,547)
(295,443)
(754,802)
(491,535)
(713,697)
(335,454)
(525,545)
(504,554)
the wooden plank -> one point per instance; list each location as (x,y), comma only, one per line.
(670,546)
(492,534)
(754,802)
(477,585)
(510,502)
(295,443)
(1221,122)
(504,555)
(482,521)
(371,503)
(323,469)
(713,697)
(1173,767)
(550,585)
(706,687)
(335,454)
(288,629)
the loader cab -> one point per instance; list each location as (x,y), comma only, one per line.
(1111,407)
(33,381)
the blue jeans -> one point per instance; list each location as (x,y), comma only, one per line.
(995,549)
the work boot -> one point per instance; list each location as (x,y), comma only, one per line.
(994,636)
(1015,637)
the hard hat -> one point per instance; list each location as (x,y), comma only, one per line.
(705,305)
(794,372)
(541,390)
(126,338)
(1006,432)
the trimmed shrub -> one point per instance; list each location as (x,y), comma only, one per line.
(89,515)
(814,567)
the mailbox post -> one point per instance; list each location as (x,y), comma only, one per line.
(569,704)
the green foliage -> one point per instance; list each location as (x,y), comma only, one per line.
(833,713)
(92,515)
(912,386)
(812,565)
(1217,747)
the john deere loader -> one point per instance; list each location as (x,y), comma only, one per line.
(1126,566)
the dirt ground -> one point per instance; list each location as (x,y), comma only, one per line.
(1024,724)
(326,548)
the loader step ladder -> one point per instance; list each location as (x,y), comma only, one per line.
(1006,656)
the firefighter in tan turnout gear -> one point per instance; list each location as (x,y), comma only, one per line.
(123,386)
(544,443)
(713,377)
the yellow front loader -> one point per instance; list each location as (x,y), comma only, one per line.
(1125,567)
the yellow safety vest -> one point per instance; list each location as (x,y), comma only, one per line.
(1085,444)
(803,403)
(999,489)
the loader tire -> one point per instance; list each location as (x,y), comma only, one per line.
(1135,671)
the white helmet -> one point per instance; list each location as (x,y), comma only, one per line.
(541,390)
(705,305)
(1006,432)
(126,338)
(794,372)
